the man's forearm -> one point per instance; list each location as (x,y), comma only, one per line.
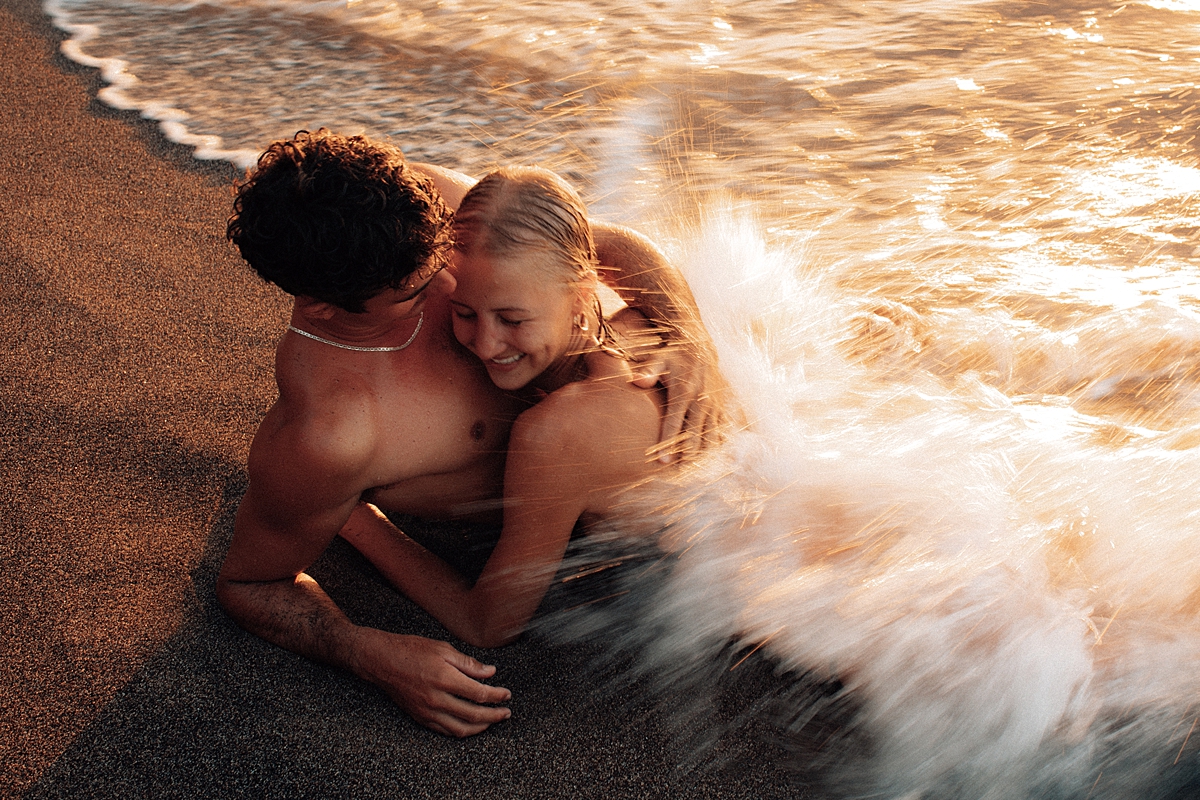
(296,615)
(639,272)
(434,683)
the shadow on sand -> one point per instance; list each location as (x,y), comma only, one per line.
(219,713)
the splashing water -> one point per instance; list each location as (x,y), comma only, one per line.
(950,259)
(1005,589)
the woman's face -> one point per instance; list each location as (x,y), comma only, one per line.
(513,313)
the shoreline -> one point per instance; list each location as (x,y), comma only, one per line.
(39,27)
(71,41)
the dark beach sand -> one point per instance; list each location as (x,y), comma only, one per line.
(136,365)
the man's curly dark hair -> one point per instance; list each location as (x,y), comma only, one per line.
(338,218)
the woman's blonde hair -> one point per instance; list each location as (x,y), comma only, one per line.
(515,209)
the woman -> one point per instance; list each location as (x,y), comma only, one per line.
(526,305)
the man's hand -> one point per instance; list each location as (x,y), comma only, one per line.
(435,684)
(686,360)
(693,415)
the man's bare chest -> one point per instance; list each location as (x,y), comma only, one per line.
(442,441)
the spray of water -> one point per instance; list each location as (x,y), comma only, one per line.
(996,594)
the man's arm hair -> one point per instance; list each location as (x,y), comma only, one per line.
(263,587)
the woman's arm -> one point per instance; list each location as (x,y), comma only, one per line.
(560,452)
(538,521)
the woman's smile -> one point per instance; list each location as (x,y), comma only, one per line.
(515,320)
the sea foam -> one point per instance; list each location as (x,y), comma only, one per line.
(998,603)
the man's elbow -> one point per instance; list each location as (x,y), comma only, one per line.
(237,597)
(230,595)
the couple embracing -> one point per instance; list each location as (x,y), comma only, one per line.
(447,348)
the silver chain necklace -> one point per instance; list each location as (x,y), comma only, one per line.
(355,348)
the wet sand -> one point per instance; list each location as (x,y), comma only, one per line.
(136,365)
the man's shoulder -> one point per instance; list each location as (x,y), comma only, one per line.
(324,437)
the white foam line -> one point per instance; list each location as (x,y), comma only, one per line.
(115,73)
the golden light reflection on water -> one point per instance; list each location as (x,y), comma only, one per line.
(1173,5)
(1085,284)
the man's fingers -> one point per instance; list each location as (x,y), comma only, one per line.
(699,424)
(463,681)
(480,692)
(469,666)
(682,423)
(447,724)
(450,715)
(474,714)
(668,450)
(671,433)
(681,396)
(691,443)
(457,711)
(455,716)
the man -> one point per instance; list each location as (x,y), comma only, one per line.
(378,401)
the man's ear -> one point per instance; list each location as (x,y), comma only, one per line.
(315,309)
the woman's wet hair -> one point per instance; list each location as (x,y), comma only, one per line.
(518,209)
(339,219)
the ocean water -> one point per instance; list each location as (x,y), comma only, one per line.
(950,256)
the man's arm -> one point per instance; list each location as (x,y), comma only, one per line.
(285,521)
(451,184)
(643,277)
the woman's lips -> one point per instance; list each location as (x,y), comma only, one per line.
(504,363)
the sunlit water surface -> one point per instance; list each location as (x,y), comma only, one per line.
(949,253)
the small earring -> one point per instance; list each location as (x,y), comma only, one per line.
(581,323)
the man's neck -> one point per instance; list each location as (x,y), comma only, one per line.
(355,330)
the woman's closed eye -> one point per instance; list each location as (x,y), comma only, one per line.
(468,314)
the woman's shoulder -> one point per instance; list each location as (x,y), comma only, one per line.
(593,414)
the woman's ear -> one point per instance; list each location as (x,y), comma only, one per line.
(585,293)
(579,302)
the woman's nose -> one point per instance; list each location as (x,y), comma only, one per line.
(487,344)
